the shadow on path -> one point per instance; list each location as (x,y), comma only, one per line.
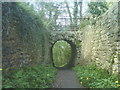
(66,79)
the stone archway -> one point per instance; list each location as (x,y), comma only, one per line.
(74,38)
(72,59)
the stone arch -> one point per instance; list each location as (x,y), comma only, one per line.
(74,38)
(73,57)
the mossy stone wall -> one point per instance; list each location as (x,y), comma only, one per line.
(24,37)
(101,42)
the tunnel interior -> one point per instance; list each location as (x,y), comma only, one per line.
(71,58)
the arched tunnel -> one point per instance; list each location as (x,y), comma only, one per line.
(71,61)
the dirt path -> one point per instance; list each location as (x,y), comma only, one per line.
(66,79)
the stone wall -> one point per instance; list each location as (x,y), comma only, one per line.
(24,37)
(101,42)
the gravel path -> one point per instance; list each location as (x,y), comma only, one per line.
(66,79)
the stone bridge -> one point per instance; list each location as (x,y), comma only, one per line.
(74,38)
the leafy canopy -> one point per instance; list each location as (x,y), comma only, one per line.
(97,8)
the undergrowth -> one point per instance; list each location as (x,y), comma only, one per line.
(39,76)
(93,77)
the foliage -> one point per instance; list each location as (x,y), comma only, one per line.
(48,11)
(84,23)
(21,17)
(22,25)
(94,77)
(39,76)
(61,53)
(97,8)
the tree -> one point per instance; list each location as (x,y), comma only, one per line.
(80,5)
(97,8)
(49,12)
(75,12)
(56,14)
(70,15)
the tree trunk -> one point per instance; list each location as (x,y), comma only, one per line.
(69,12)
(50,15)
(75,13)
(80,5)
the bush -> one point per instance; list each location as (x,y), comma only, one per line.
(39,76)
(94,77)
(84,23)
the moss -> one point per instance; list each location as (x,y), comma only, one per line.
(22,25)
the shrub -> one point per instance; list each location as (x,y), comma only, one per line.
(39,76)
(94,77)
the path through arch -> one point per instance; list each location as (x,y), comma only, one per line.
(66,79)
(71,57)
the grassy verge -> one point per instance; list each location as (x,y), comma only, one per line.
(94,77)
(39,76)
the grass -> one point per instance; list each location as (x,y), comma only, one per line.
(38,76)
(93,77)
